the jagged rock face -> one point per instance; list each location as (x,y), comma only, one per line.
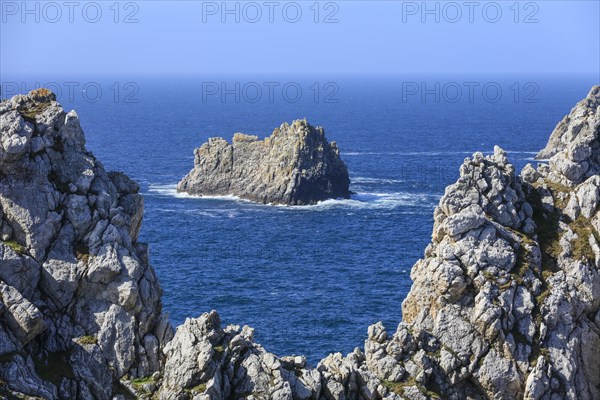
(581,122)
(575,145)
(204,361)
(294,166)
(505,303)
(79,305)
(468,329)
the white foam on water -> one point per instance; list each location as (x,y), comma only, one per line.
(170,190)
(374,200)
(366,179)
(521,152)
(166,190)
(210,213)
(406,153)
(533,159)
(358,201)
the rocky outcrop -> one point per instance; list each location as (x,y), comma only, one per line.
(205,361)
(505,302)
(294,166)
(583,120)
(79,305)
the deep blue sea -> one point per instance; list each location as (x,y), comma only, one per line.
(310,280)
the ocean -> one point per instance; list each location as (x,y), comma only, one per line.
(309,279)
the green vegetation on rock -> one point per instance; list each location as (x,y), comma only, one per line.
(198,389)
(87,339)
(16,247)
(399,387)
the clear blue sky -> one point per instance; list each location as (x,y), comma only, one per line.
(378,37)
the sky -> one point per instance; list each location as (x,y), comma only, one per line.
(157,37)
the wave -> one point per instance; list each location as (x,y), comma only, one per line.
(364,200)
(365,179)
(375,200)
(171,191)
(229,213)
(538,160)
(521,152)
(166,190)
(431,153)
(406,153)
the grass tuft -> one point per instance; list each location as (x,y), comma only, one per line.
(16,247)
(198,389)
(138,383)
(399,387)
(219,351)
(87,339)
(581,249)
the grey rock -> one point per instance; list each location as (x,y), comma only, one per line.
(581,121)
(573,148)
(467,219)
(23,318)
(295,165)
(70,275)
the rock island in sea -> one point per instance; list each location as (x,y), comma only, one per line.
(296,165)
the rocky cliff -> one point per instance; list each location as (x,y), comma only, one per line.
(295,165)
(79,305)
(580,121)
(505,303)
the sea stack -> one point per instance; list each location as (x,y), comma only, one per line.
(296,165)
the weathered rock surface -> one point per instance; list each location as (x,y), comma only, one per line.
(204,361)
(294,166)
(79,305)
(582,121)
(505,303)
